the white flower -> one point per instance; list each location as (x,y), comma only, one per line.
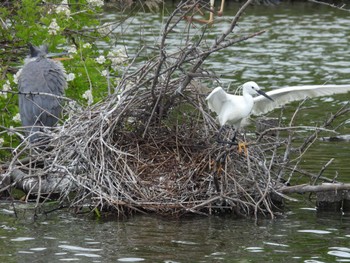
(104,73)
(97,3)
(87,45)
(1,141)
(72,49)
(70,76)
(73,108)
(16,76)
(6,87)
(101,59)
(10,131)
(117,56)
(88,96)
(105,29)
(63,8)
(53,27)
(17,118)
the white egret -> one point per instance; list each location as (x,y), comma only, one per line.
(233,109)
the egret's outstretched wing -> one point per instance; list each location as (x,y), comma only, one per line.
(216,99)
(288,94)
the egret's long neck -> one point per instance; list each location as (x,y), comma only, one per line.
(249,101)
(247,96)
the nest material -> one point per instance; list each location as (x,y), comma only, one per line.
(151,147)
(121,158)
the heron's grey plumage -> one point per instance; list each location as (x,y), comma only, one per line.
(40,75)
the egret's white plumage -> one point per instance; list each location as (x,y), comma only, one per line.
(232,109)
(285,95)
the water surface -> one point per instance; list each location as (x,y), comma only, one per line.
(301,235)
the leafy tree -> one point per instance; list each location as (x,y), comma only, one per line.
(70,26)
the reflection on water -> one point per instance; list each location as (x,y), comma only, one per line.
(305,44)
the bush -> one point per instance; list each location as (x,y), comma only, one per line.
(69,26)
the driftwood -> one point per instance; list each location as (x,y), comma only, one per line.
(330,197)
(306,188)
(50,183)
(150,146)
(340,7)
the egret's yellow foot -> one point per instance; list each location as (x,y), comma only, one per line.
(212,163)
(242,148)
(218,166)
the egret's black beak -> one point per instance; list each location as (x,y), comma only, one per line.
(264,94)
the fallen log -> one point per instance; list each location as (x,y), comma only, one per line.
(330,197)
(36,185)
(306,188)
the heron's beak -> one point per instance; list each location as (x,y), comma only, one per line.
(58,56)
(264,94)
(61,59)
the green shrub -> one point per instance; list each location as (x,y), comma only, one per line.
(72,26)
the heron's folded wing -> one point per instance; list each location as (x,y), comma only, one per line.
(55,83)
(55,78)
(285,95)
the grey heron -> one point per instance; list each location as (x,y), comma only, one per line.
(234,109)
(41,82)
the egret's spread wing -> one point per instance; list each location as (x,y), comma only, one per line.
(216,99)
(288,94)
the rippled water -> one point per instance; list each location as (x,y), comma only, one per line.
(304,44)
(298,236)
(307,49)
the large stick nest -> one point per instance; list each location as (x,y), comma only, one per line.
(151,146)
(119,155)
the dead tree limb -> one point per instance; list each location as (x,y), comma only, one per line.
(306,188)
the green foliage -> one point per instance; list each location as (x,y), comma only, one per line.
(97,212)
(68,25)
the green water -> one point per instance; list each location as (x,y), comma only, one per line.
(303,44)
(301,235)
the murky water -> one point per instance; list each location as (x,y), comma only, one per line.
(298,236)
(304,44)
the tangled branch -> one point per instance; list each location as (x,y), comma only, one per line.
(150,146)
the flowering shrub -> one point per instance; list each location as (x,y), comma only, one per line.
(65,26)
